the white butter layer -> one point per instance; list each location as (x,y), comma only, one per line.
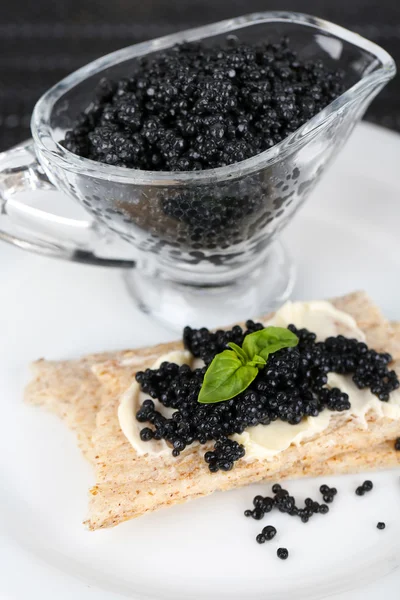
(320,317)
(266,441)
(132,400)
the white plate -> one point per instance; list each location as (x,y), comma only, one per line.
(345,238)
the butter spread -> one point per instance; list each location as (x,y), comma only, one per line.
(266,441)
(322,318)
(132,399)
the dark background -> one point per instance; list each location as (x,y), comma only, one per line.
(43,40)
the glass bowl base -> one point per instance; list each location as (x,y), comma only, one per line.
(175,304)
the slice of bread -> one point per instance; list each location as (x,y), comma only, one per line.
(86,394)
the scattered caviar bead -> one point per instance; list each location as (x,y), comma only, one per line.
(333,491)
(367,485)
(248,513)
(360,491)
(282,553)
(327,499)
(276,488)
(305,518)
(257,514)
(397,444)
(324,489)
(381,525)
(315,507)
(269,532)
(268,505)
(261,538)
(323,509)
(284,503)
(258,501)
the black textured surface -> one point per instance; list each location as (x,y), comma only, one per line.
(42,41)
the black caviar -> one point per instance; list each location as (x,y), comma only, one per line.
(285,503)
(328,494)
(381,525)
(195,107)
(365,487)
(269,532)
(290,387)
(282,553)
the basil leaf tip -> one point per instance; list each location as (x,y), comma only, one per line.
(239,351)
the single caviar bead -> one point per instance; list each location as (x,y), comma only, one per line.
(324,489)
(248,513)
(258,501)
(381,525)
(269,532)
(268,504)
(146,434)
(360,491)
(327,498)
(276,488)
(315,507)
(282,553)
(367,485)
(323,509)
(305,518)
(260,538)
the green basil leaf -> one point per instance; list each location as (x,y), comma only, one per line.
(257,361)
(238,350)
(268,340)
(225,378)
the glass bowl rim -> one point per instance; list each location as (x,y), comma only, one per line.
(56,154)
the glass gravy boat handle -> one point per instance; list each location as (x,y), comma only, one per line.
(31,228)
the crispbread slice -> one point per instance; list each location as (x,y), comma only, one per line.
(129,485)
